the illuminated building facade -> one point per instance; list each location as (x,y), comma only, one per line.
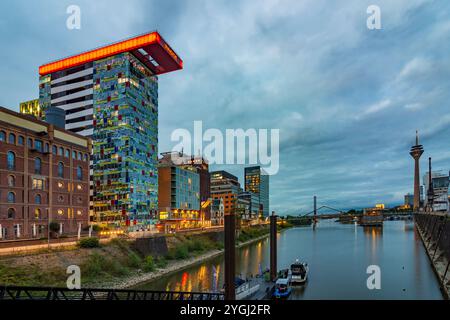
(225,186)
(31,107)
(178,195)
(111,95)
(257,181)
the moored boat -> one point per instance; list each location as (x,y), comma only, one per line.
(299,272)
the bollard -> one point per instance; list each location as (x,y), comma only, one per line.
(273,246)
(230,257)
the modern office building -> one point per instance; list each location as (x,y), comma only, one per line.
(257,181)
(409,200)
(111,95)
(178,195)
(253,203)
(225,186)
(44,177)
(31,107)
(217,212)
(440,183)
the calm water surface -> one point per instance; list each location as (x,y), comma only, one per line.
(338,256)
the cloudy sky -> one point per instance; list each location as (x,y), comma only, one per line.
(347,100)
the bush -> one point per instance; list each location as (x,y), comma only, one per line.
(89,243)
(181,252)
(134,260)
(161,262)
(149,264)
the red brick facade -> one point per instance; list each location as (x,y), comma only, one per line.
(41,176)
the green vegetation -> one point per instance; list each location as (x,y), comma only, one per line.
(252,233)
(89,243)
(191,246)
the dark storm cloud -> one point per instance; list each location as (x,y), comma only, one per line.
(347,100)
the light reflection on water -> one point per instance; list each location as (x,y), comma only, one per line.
(338,256)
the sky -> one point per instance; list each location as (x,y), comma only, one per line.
(346,99)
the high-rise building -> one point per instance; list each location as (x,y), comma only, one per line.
(111,95)
(44,178)
(409,200)
(225,186)
(31,107)
(257,181)
(440,184)
(254,205)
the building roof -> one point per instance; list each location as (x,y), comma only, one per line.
(28,122)
(150,48)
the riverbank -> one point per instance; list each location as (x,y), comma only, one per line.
(439,265)
(117,264)
(174,267)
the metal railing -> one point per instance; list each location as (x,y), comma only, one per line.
(51,293)
(435,230)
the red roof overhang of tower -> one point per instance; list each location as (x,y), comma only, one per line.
(150,49)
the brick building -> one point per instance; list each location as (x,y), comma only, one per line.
(44,171)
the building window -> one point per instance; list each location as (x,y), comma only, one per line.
(60,184)
(2,136)
(12,138)
(79,187)
(38,145)
(21,140)
(79,200)
(74,155)
(67,154)
(37,199)
(38,184)
(54,150)
(86,157)
(11,197)
(11,159)
(60,198)
(30,143)
(79,212)
(11,181)
(60,170)
(37,165)
(60,212)
(79,173)
(60,151)
(46,148)
(80,156)
(11,213)
(37,213)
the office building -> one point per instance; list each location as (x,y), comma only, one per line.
(44,178)
(111,95)
(178,195)
(225,186)
(440,183)
(257,181)
(31,107)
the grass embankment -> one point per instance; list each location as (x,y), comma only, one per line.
(103,265)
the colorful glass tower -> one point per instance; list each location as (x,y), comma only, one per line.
(111,95)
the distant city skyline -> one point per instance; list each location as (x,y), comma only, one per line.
(347,100)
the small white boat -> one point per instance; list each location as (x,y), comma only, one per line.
(299,272)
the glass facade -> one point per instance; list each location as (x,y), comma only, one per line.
(125,141)
(257,181)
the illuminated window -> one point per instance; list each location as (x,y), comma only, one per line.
(60,212)
(79,187)
(67,154)
(37,213)
(74,154)
(79,212)
(38,184)
(79,173)
(37,199)
(60,151)
(60,185)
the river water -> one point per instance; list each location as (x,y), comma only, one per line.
(338,256)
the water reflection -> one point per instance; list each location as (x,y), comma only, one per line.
(338,259)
